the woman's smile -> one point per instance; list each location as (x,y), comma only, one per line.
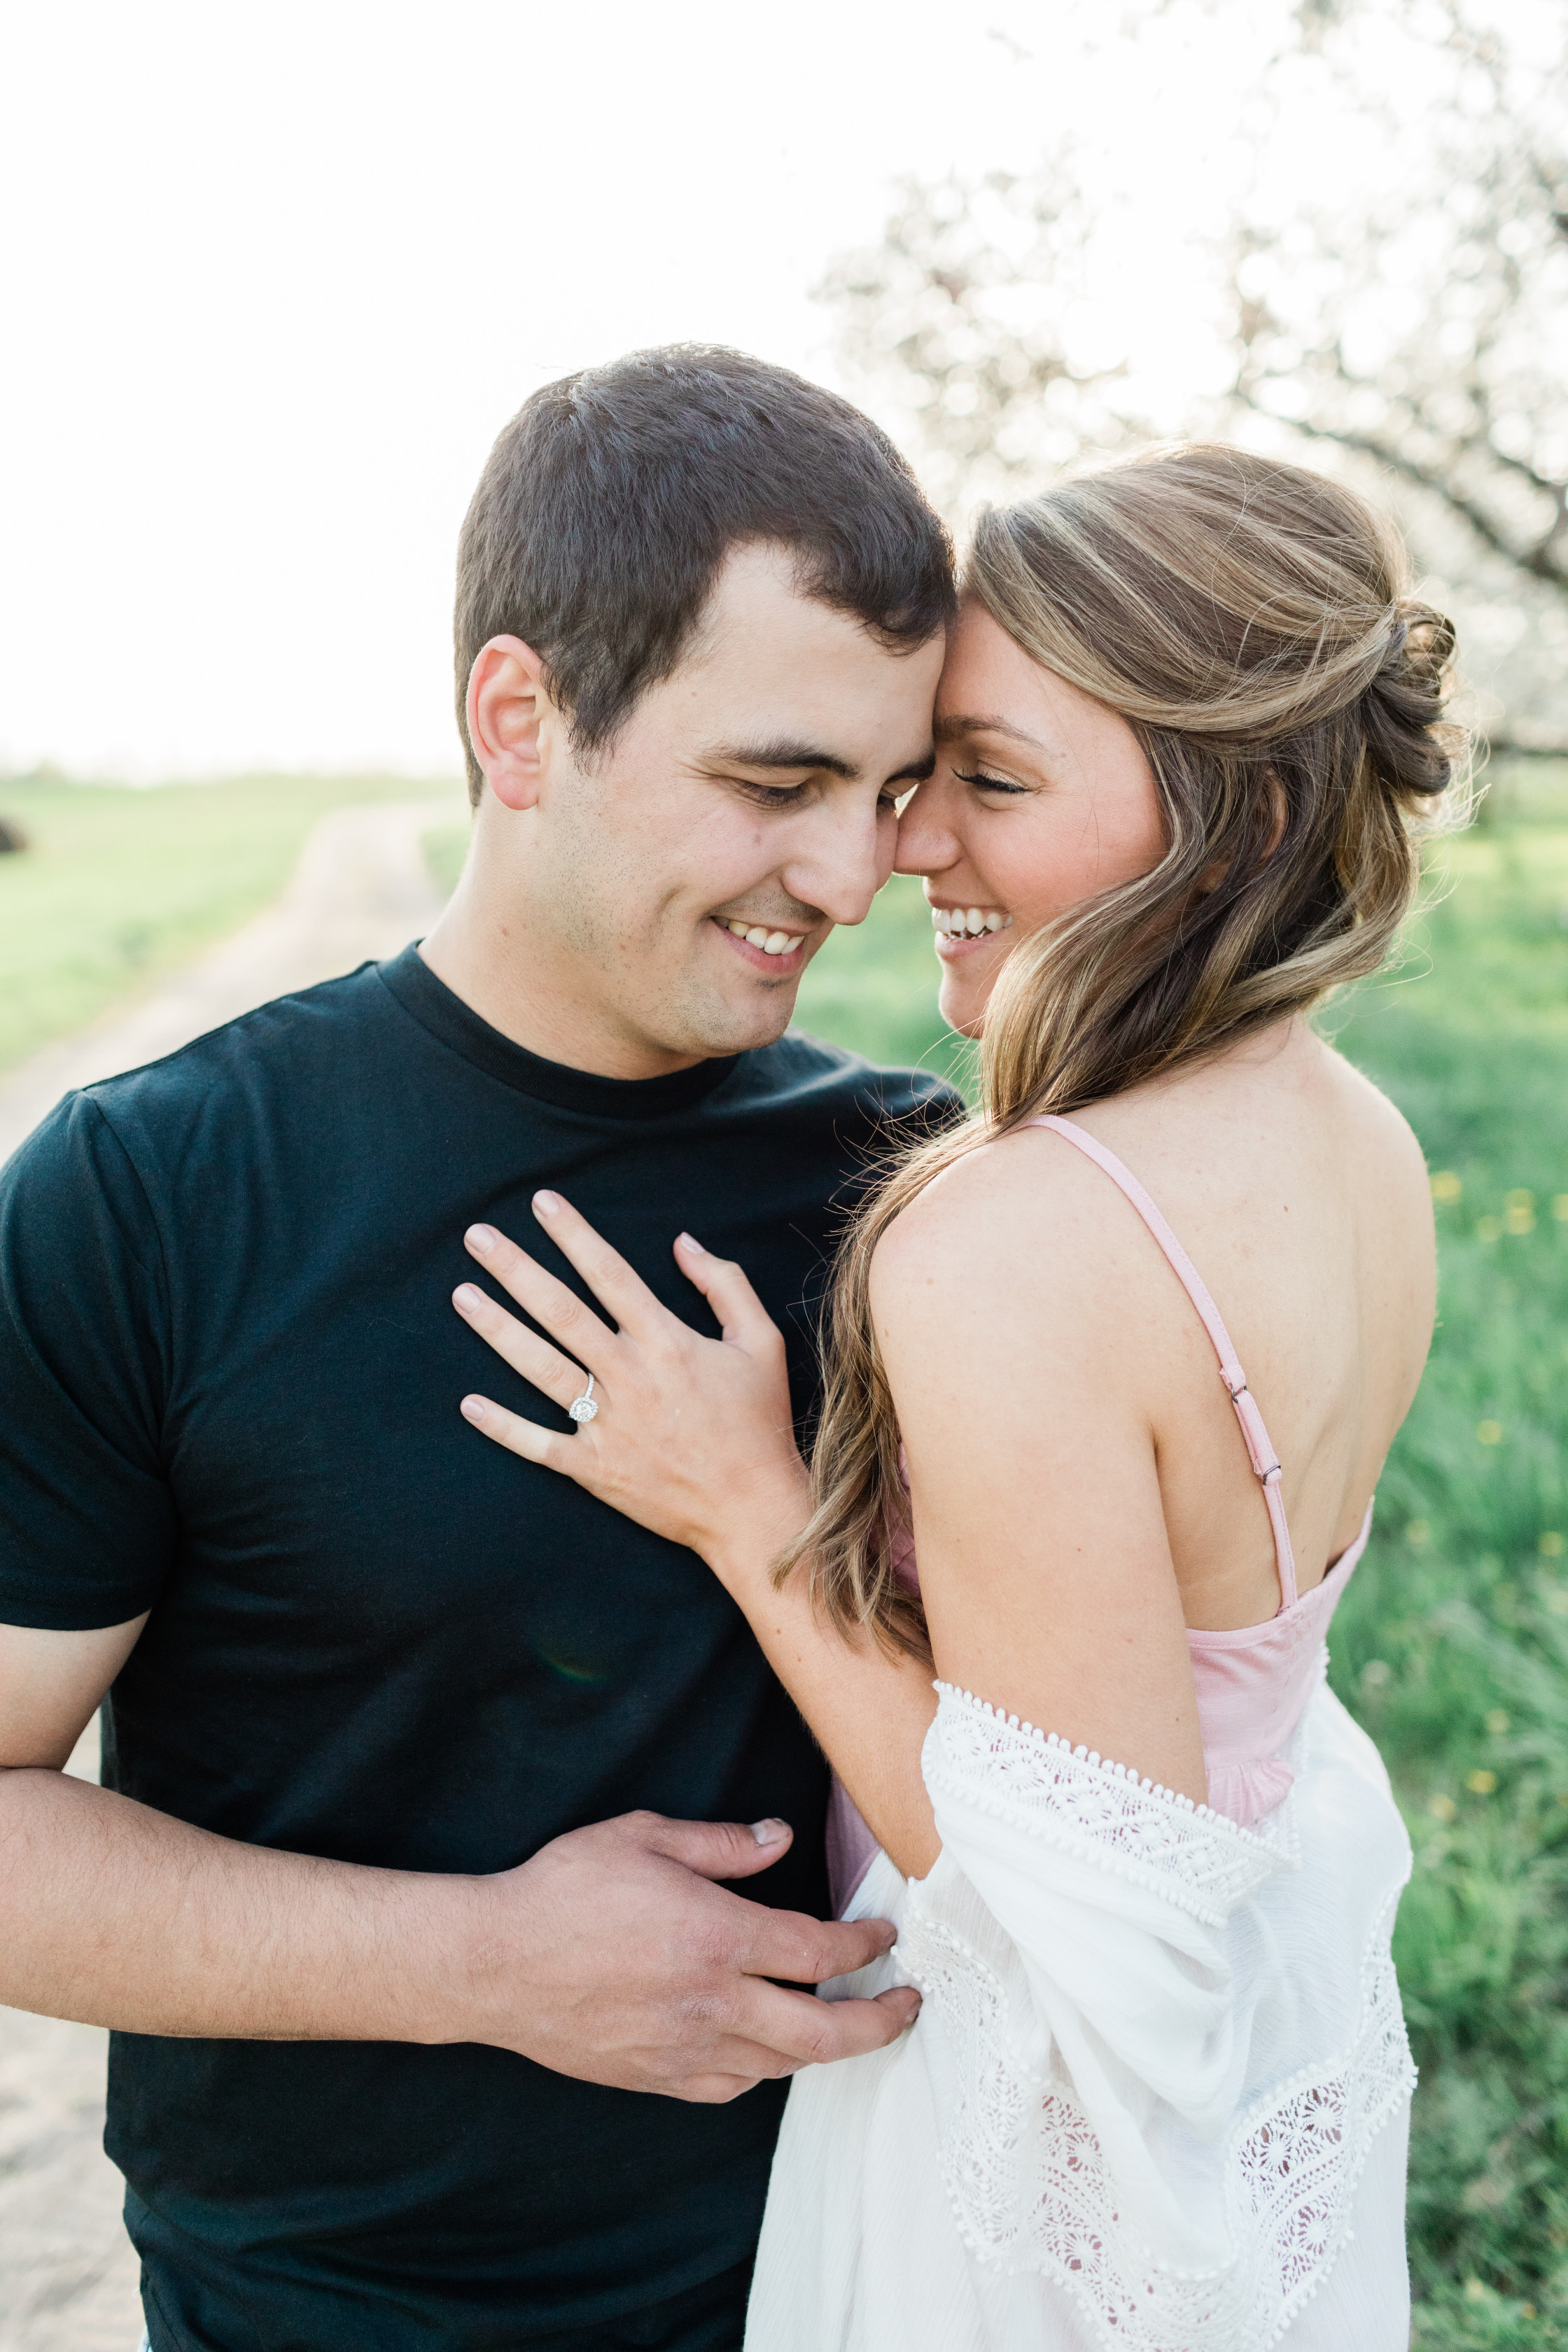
(962,930)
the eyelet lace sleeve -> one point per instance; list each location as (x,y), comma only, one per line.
(1115,2113)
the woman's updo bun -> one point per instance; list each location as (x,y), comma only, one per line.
(1408,748)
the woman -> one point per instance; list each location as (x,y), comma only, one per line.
(1145,1866)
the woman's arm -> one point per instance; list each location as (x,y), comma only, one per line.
(694,1439)
(1015,1328)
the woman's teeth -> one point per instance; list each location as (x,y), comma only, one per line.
(967,922)
(770,942)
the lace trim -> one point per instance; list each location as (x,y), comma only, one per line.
(1102,1813)
(1032,2191)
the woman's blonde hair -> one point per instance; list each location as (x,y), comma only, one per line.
(1253,624)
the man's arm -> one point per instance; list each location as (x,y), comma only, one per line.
(609,1954)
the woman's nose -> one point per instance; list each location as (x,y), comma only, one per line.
(926,845)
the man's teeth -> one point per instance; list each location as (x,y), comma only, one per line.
(967,922)
(770,942)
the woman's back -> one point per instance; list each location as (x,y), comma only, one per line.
(1300,1195)
(1095,1499)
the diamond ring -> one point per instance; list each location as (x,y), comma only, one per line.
(582,1408)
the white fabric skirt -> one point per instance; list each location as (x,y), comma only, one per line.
(1157,2099)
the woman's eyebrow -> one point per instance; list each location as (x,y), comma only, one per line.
(949,730)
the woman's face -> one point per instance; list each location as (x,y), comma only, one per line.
(1042,797)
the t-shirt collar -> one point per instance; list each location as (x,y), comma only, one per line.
(444,1015)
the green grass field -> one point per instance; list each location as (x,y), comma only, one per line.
(117,886)
(1452,1646)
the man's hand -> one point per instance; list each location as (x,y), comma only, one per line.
(609,1954)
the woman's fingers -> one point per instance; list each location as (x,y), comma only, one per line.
(523,1437)
(723,1284)
(563,1314)
(609,1276)
(555,1375)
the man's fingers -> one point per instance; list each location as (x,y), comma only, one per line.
(815,2032)
(560,1311)
(555,1375)
(715,1849)
(802,1950)
(741,1316)
(718,2090)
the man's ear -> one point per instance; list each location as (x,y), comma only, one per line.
(508,700)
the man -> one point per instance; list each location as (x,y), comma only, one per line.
(405,1886)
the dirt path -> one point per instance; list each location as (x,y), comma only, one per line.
(67,2274)
(360,888)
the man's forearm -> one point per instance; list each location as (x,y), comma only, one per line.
(114,1914)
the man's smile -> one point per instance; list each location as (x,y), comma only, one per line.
(778,952)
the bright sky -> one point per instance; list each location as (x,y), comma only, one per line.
(275,277)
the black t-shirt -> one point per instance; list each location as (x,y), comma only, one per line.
(230,1373)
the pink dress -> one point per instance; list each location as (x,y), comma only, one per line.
(1253,1683)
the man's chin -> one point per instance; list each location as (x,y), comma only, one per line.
(721,1027)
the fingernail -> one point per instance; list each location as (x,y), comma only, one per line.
(690,1241)
(472,1408)
(468,1297)
(769,1832)
(482,1238)
(546,1204)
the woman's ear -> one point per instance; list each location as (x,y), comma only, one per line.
(508,698)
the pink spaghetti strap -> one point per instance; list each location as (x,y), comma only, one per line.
(1264,1459)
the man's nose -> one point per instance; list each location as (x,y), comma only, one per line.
(842,864)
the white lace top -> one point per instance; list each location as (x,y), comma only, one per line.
(1156,2099)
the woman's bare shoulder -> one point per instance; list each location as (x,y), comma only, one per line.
(1011,1220)
(1381,1123)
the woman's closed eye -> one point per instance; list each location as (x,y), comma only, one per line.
(985,782)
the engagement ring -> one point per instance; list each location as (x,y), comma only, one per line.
(582,1408)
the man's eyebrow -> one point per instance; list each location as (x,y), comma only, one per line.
(783,753)
(949,730)
(914,772)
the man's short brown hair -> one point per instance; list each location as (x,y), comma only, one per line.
(609,504)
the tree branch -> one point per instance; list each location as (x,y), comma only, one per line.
(1538,560)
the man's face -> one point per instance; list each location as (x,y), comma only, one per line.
(679,882)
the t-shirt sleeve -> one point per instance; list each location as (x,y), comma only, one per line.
(88,1523)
